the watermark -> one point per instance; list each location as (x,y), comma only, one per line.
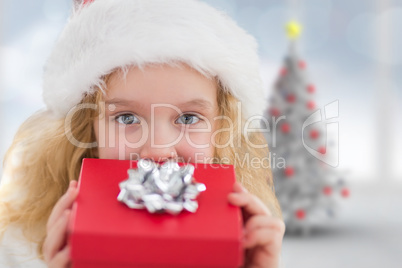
(243,161)
(331,113)
(109,134)
(147,133)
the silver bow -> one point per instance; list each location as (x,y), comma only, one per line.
(165,188)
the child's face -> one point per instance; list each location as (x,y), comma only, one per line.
(159,112)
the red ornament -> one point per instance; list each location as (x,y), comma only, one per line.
(322,150)
(291,98)
(311,105)
(314,134)
(311,88)
(300,214)
(285,128)
(302,64)
(289,172)
(283,71)
(327,190)
(274,112)
(345,192)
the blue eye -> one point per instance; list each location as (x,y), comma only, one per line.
(127,119)
(187,119)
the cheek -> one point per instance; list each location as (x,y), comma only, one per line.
(108,153)
(117,143)
(108,144)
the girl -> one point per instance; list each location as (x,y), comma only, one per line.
(132,79)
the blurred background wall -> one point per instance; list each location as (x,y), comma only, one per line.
(353,51)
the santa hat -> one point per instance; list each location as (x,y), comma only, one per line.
(106,34)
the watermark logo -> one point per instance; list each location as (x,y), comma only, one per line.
(331,114)
(113,135)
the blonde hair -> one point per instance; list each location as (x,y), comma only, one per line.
(247,153)
(42,161)
(38,167)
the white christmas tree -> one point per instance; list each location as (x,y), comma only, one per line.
(308,189)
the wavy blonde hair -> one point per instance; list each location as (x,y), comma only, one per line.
(255,176)
(42,161)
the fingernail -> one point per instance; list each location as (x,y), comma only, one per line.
(67,213)
(244,189)
(241,187)
(233,195)
(73,184)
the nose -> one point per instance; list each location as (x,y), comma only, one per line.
(160,145)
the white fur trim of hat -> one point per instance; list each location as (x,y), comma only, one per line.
(106,34)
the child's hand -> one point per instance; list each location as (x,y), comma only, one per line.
(263,233)
(55,249)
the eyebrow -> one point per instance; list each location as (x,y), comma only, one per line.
(124,103)
(198,103)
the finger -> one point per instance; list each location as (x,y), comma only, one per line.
(238,188)
(65,202)
(62,259)
(269,240)
(56,237)
(263,248)
(249,202)
(263,221)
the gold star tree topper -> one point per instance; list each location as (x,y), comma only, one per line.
(293,30)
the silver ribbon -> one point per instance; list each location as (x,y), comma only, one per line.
(165,188)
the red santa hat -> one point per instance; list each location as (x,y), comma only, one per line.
(107,34)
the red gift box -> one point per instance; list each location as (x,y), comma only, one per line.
(106,233)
